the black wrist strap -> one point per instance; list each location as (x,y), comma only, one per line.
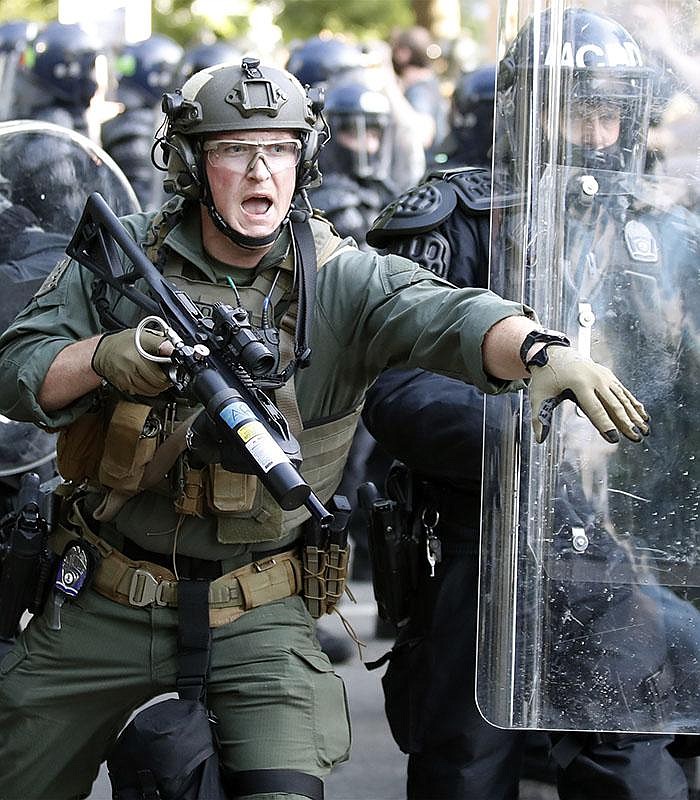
(540,358)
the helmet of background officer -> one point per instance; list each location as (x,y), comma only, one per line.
(144,70)
(60,63)
(262,103)
(201,56)
(317,60)
(360,121)
(471,119)
(604,92)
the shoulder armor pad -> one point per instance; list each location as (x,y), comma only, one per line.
(418,210)
(473,188)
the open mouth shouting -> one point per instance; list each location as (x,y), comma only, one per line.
(257,206)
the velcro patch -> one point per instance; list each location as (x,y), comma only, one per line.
(54,277)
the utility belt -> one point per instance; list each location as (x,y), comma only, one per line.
(317,570)
(411,530)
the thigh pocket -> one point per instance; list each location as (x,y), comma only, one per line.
(13,658)
(332,735)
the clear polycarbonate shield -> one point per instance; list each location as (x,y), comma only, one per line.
(46,175)
(590,577)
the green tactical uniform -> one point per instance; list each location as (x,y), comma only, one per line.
(65,694)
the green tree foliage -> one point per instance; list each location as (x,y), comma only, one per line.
(32,10)
(364,19)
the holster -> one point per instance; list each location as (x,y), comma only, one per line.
(394,549)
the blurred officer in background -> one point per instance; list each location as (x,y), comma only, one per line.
(356,162)
(144,71)
(14,36)
(321,61)
(56,78)
(470,139)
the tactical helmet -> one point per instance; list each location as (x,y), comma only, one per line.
(201,56)
(359,118)
(223,98)
(319,59)
(598,65)
(235,98)
(145,70)
(61,60)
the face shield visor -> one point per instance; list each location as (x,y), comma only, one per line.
(362,145)
(604,120)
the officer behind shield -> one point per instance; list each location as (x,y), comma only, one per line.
(600,660)
(242,143)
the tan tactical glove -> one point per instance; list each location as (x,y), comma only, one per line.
(568,375)
(117,360)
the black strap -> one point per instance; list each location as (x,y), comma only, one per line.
(193,639)
(306,258)
(568,746)
(262,781)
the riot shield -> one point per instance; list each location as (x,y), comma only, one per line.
(46,175)
(590,574)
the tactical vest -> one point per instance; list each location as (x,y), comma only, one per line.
(244,509)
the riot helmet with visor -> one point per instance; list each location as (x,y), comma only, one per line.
(360,121)
(588,79)
(145,70)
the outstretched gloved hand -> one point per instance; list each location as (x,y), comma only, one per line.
(568,375)
(117,360)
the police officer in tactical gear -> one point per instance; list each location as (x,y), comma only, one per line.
(144,71)
(599,673)
(469,141)
(56,78)
(356,162)
(241,143)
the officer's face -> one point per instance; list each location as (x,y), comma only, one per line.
(253,200)
(592,126)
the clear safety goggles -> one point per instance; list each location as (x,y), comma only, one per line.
(239,156)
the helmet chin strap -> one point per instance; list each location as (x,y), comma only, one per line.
(603,158)
(247,242)
(238,238)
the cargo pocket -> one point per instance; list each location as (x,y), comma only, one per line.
(332,733)
(13,659)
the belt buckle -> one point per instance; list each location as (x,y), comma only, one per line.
(144,589)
